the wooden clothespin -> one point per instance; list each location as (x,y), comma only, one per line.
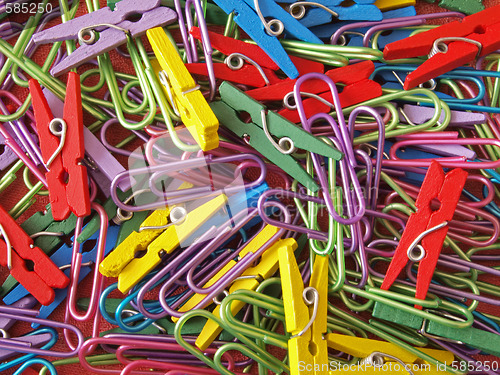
(62,145)
(17,248)
(449,46)
(428,225)
(248,74)
(306,322)
(385,5)
(263,122)
(363,348)
(185,93)
(114,27)
(122,263)
(358,88)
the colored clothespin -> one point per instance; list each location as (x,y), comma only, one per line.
(186,95)
(248,74)
(359,88)
(477,338)
(447,189)
(103,167)
(419,115)
(62,144)
(45,275)
(265,267)
(246,17)
(122,263)
(447,47)
(306,345)
(357,10)
(464,6)
(363,348)
(33,340)
(62,259)
(114,28)
(234,101)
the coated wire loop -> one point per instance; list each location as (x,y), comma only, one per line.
(8,246)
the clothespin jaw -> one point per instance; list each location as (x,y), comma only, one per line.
(62,145)
(385,5)
(480,30)
(233,102)
(45,275)
(305,345)
(186,95)
(447,189)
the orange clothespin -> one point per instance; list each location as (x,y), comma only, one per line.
(62,145)
(17,250)
(474,36)
(358,88)
(427,225)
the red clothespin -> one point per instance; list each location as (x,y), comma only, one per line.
(428,226)
(358,88)
(474,36)
(44,275)
(248,74)
(62,145)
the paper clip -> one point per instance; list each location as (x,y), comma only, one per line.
(183,91)
(427,226)
(266,124)
(114,28)
(62,144)
(474,36)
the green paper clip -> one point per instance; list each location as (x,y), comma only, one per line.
(266,124)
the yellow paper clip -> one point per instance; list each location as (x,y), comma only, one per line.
(255,244)
(364,348)
(250,280)
(306,322)
(121,262)
(385,5)
(183,91)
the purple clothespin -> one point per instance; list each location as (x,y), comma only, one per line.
(32,341)
(113,26)
(419,115)
(103,166)
(27,302)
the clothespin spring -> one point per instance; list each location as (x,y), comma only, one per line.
(177,216)
(300,5)
(412,254)
(59,128)
(87,35)
(284,141)
(306,295)
(376,359)
(240,59)
(440,46)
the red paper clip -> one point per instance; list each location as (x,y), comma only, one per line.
(66,176)
(428,226)
(359,88)
(474,36)
(45,275)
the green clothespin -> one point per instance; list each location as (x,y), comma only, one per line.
(263,126)
(486,341)
(464,6)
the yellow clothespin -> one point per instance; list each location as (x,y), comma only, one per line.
(385,5)
(121,262)
(267,266)
(307,349)
(255,244)
(195,112)
(362,348)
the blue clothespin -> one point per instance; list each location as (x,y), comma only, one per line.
(61,258)
(325,31)
(361,10)
(249,21)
